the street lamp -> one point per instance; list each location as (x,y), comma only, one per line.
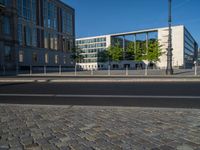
(169,70)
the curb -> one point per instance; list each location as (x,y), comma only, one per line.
(97,80)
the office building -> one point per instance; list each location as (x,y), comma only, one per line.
(185,48)
(36,33)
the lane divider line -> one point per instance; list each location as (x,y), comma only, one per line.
(101,96)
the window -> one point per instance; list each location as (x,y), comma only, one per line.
(28,36)
(26,5)
(34,57)
(64,60)
(46,58)
(33,10)
(46,39)
(20,32)
(5,2)
(34,37)
(21,56)
(2,2)
(69,24)
(56,59)
(6,25)
(51,16)
(8,57)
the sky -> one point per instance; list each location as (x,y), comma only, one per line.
(100,17)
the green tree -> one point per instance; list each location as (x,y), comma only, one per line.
(139,51)
(102,56)
(115,53)
(130,51)
(153,52)
(76,55)
(135,51)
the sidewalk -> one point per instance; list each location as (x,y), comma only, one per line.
(64,79)
(36,127)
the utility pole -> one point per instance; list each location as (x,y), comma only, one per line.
(169,69)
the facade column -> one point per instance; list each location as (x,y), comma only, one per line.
(147,42)
(123,47)
(135,45)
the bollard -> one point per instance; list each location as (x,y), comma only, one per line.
(146,67)
(17,69)
(126,70)
(45,70)
(75,70)
(60,69)
(30,69)
(195,69)
(4,70)
(109,70)
(92,73)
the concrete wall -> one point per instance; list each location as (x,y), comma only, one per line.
(177,44)
(28,57)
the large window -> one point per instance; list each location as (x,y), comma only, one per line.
(8,56)
(28,35)
(6,25)
(2,2)
(21,56)
(46,58)
(34,58)
(26,9)
(5,2)
(50,15)
(152,35)
(69,24)
(19,7)
(56,59)
(34,36)
(33,12)
(141,42)
(46,39)
(20,32)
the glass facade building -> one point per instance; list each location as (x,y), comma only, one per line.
(184,46)
(90,50)
(43,30)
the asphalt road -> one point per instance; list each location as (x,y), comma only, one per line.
(171,94)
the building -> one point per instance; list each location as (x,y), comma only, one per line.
(198,57)
(185,48)
(36,33)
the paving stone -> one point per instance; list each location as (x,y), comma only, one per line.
(184,147)
(4,147)
(94,127)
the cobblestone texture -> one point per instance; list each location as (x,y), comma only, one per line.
(98,128)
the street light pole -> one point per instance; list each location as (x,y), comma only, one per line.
(169,69)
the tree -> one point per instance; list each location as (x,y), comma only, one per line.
(139,51)
(153,52)
(103,56)
(115,53)
(130,51)
(135,51)
(76,54)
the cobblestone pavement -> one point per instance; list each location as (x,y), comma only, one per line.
(98,128)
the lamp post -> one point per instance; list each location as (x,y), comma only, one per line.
(169,69)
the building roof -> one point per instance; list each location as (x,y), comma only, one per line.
(126,33)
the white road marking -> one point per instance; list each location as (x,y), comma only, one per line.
(100,96)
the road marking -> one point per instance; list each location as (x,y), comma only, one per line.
(100,96)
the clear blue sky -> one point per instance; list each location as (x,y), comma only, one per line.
(97,17)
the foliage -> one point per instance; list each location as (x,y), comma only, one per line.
(103,56)
(115,53)
(139,52)
(76,54)
(153,52)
